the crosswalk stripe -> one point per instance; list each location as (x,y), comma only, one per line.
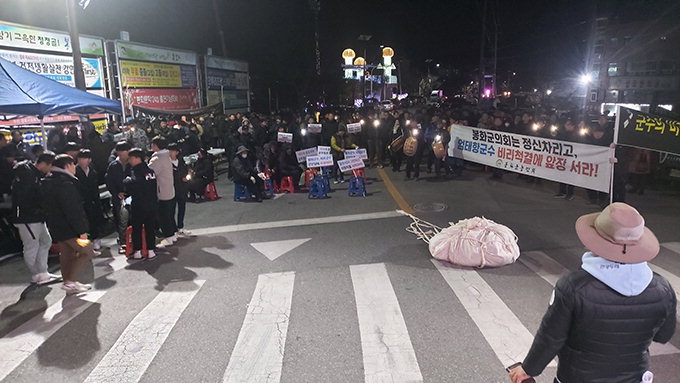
(139,343)
(20,343)
(673,246)
(258,354)
(386,346)
(503,331)
(547,268)
(534,260)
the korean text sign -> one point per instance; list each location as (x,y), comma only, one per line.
(647,131)
(303,154)
(356,153)
(319,161)
(284,137)
(571,163)
(349,164)
(354,128)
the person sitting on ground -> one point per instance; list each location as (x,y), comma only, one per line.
(603,317)
(245,174)
(202,175)
(67,221)
(141,187)
(29,217)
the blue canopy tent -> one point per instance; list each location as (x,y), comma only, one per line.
(23,92)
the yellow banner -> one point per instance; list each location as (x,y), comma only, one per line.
(150,75)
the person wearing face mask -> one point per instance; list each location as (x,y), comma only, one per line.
(245,174)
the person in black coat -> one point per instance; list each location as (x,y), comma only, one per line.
(287,165)
(88,186)
(141,186)
(603,317)
(203,174)
(116,172)
(29,217)
(180,172)
(67,221)
(244,173)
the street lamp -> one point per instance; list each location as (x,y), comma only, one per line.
(548,92)
(586,79)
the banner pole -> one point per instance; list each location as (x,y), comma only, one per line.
(612,153)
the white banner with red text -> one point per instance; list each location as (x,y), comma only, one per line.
(586,166)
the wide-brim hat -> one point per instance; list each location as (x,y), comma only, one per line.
(618,234)
(241,149)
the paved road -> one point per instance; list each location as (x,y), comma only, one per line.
(298,290)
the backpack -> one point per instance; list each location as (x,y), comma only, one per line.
(477,242)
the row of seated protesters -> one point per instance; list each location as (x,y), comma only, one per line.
(275,162)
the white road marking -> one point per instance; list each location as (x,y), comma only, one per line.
(258,354)
(131,355)
(296,222)
(275,249)
(542,264)
(503,331)
(672,246)
(546,267)
(18,344)
(386,346)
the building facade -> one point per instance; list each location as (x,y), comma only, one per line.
(635,63)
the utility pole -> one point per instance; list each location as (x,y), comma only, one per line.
(78,74)
(481,53)
(218,20)
(316,8)
(495,48)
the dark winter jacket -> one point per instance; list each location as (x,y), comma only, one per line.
(66,217)
(115,174)
(141,186)
(26,202)
(203,169)
(242,170)
(88,186)
(180,172)
(602,336)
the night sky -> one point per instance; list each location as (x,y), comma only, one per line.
(537,39)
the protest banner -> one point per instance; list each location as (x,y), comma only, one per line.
(356,153)
(354,128)
(314,128)
(571,163)
(644,130)
(350,164)
(303,154)
(322,150)
(319,161)
(284,137)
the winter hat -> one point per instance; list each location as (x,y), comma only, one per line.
(618,234)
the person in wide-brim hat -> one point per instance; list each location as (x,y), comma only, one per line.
(241,149)
(603,317)
(618,234)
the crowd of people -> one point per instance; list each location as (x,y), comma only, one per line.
(56,197)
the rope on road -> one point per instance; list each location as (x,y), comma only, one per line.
(422,229)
